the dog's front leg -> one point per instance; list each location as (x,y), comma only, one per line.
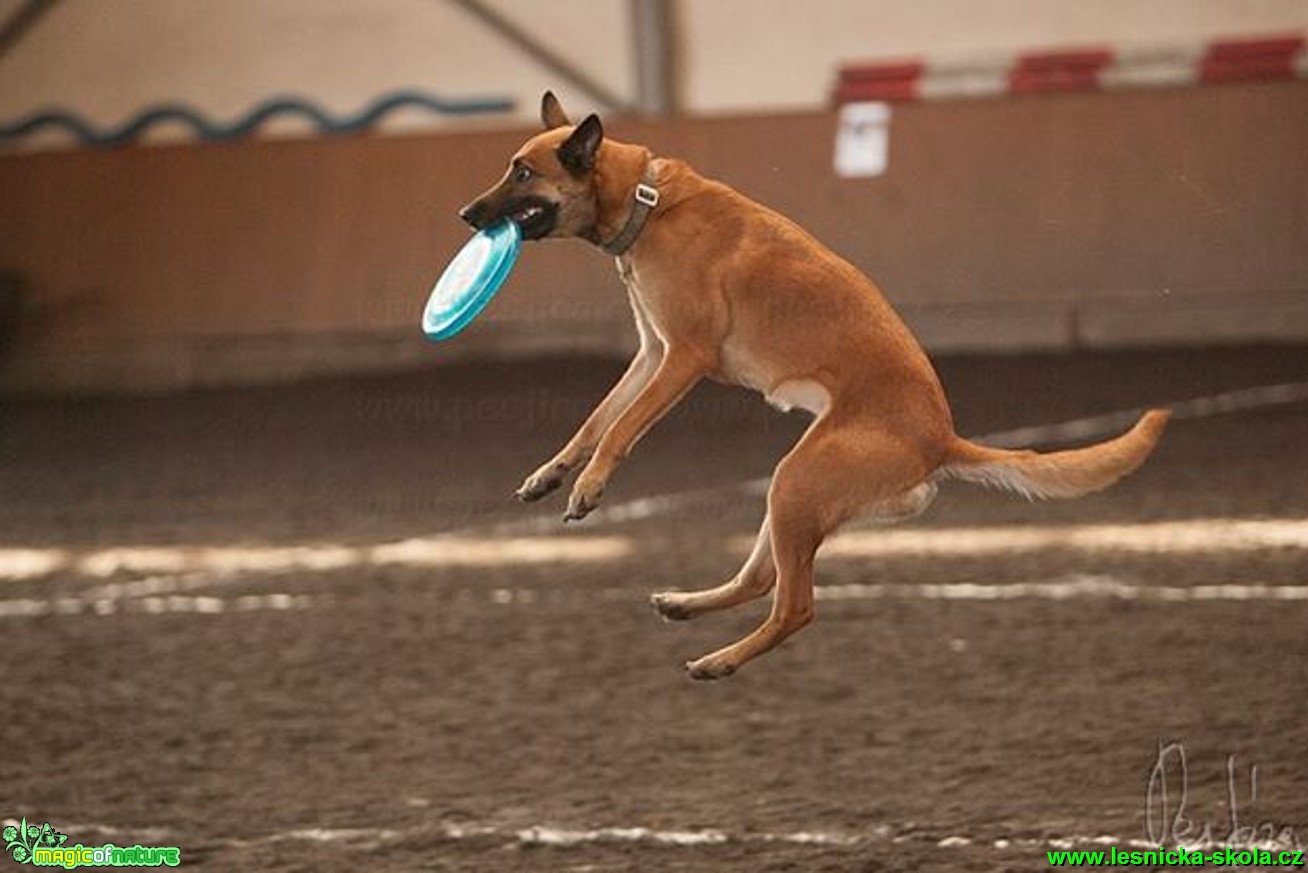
(578,450)
(677,373)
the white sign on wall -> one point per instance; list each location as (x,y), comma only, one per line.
(863,139)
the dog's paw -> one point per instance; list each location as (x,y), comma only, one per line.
(544,481)
(709,667)
(584,499)
(669,605)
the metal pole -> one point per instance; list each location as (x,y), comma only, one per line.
(18,24)
(652,32)
(534,49)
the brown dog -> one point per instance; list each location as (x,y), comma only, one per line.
(723,287)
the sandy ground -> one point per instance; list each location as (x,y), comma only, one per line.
(529,712)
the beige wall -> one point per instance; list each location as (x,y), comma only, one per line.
(780,53)
(1052,221)
(107,58)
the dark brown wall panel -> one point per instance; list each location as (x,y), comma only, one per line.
(1143,216)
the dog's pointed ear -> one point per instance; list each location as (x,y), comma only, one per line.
(551,112)
(579,151)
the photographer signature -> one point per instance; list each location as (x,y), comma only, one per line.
(1167,822)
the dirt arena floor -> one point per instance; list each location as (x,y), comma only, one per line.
(305,628)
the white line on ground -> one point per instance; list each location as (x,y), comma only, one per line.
(1079,586)
(549,835)
(541,835)
(1096,426)
(1087,587)
(168,593)
(337,835)
(30,563)
(435,551)
(1088,428)
(150,836)
(365,838)
(28,607)
(1193,536)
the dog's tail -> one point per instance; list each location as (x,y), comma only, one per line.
(1057,475)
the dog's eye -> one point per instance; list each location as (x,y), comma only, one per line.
(522,175)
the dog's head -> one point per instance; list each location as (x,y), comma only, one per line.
(549,188)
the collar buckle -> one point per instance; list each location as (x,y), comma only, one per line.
(647,194)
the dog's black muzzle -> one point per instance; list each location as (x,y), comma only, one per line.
(535,216)
(475,214)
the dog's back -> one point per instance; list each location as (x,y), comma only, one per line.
(791,310)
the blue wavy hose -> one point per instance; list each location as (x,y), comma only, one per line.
(206,129)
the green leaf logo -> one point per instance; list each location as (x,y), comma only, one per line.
(22,839)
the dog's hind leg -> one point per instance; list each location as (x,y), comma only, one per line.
(759,573)
(834,472)
(754,579)
(902,507)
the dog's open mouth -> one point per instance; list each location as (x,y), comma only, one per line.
(527,213)
(535,217)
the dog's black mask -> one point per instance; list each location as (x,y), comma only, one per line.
(535,216)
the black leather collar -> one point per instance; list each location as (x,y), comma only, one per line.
(645,197)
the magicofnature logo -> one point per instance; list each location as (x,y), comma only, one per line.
(45,847)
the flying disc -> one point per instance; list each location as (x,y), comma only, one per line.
(471,280)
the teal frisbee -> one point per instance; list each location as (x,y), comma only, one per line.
(471,280)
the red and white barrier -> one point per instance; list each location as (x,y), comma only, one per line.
(1084,69)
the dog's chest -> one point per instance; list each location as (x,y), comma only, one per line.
(651,310)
